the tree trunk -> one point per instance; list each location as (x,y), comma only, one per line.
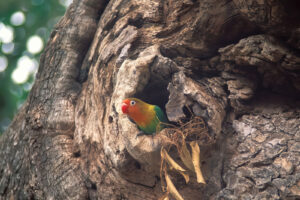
(234,63)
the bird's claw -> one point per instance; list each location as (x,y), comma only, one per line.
(140,134)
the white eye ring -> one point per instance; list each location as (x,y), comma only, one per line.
(132,103)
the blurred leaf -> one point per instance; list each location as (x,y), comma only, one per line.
(171,188)
(174,165)
(185,156)
(40,17)
(196,161)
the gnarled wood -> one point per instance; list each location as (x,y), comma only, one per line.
(234,63)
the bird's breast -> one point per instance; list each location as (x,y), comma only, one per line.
(143,117)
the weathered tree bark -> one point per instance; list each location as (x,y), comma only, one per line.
(234,63)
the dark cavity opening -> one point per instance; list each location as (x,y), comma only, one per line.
(77,154)
(137,165)
(155,93)
(94,186)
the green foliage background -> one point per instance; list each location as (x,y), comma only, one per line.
(40,17)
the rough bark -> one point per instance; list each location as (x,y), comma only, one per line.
(234,63)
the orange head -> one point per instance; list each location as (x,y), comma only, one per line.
(128,106)
(135,109)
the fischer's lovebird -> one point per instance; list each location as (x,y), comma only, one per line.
(149,118)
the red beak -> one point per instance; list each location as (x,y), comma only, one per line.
(125,108)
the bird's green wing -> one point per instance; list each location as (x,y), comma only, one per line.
(160,114)
(157,123)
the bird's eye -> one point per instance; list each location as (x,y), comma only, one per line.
(132,103)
